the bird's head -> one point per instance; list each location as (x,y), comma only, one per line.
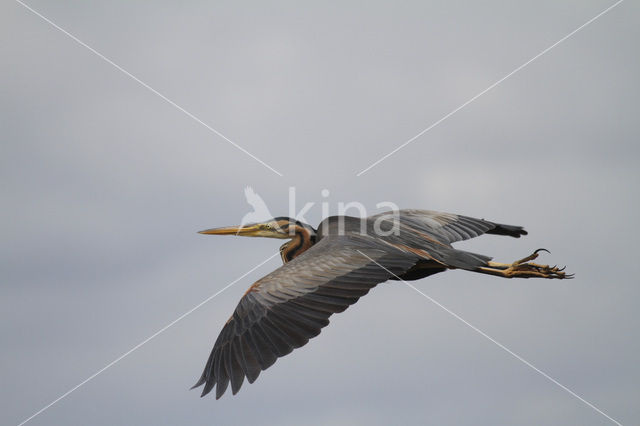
(279,227)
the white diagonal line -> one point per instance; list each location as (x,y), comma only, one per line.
(490,87)
(163,329)
(500,345)
(142,83)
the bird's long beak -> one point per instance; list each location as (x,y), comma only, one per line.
(249,230)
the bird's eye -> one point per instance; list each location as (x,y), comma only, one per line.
(268,226)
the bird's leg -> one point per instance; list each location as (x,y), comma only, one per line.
(523,269)
(532,256)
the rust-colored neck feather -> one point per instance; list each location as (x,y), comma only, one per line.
(301,241)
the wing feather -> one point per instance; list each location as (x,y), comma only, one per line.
(291,305)
(448,228)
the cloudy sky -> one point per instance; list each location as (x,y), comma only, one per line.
(104,185)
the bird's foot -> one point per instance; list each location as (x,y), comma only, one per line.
(533,270)
(524,269)
(532,256)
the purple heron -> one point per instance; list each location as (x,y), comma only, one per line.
(326,270)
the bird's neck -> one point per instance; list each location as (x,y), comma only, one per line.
(303,239)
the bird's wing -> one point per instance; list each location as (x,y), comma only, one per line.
(448,227)
(286,308)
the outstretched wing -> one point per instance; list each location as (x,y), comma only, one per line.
(286,308)
(448,227)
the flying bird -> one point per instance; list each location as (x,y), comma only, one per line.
(260,210)
(327,269)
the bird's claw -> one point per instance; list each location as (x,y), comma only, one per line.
(522,268)
(530,270)
(532,256)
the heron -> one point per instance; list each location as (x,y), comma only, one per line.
(325,270)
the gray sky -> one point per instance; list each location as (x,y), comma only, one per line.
(104,186)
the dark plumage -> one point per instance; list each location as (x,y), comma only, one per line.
(328,269)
